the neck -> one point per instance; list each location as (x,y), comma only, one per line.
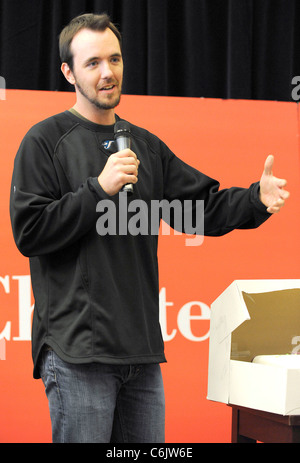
(96,115)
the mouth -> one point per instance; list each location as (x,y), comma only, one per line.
(108,88)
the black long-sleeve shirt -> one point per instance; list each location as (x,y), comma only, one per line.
(96,297)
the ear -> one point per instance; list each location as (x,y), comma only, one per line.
(65,69)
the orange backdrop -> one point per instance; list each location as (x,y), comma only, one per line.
(228,140)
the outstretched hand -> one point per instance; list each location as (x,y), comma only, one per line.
(272,192)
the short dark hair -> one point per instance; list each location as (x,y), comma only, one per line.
(95,22)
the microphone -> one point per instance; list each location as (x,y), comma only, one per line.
(122,137)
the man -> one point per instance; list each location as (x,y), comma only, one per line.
(96,337)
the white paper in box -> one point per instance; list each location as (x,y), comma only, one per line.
(250,318)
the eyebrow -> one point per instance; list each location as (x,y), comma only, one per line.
(89,60)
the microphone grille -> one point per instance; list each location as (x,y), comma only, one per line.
(121,126)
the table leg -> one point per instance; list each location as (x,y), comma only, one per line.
(236,437)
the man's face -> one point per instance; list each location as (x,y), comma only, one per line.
(97,68)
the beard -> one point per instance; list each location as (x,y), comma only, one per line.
(97,103)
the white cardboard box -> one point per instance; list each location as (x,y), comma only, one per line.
(251,318)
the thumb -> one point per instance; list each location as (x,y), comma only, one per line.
(269,165)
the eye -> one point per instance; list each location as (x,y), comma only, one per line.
(92,64)
(115,59)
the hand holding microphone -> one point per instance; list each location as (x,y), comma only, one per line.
(122,137)
(121,169)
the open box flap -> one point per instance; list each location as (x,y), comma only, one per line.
(230,309)
(229,312)
(222,322)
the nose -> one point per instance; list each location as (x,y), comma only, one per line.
(106,71)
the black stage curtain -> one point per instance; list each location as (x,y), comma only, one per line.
(247,49)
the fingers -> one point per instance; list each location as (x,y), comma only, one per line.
(121,168)
(275,208)
(281,183)
(269,165)
(124,157)
(284,194)
(127,153)
(127,163)
(272,190)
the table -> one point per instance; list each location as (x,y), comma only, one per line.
(250,426)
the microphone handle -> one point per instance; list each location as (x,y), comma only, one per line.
(124,143)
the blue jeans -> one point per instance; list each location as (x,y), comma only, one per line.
(103,403)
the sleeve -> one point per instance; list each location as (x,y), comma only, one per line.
(224,210)
(43,219)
